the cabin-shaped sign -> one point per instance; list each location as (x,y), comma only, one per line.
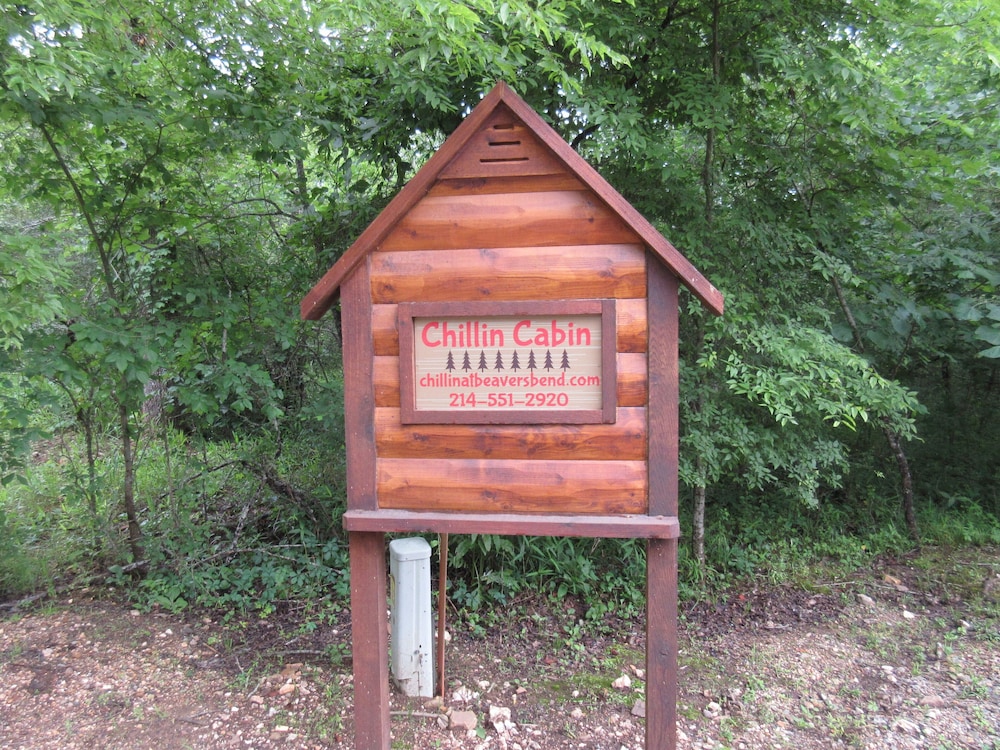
(510,328)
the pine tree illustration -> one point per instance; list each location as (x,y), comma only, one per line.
(565,360)
(548,360)
(450,365)
(498,365)
(466,364)
(515,361)
(482,361)
(531,360)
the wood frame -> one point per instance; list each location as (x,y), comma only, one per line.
(409,311)
(661,554)
(513,524)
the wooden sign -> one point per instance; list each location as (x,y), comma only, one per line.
(510,336)
(523,363)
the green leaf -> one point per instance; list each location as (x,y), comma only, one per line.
(989,334)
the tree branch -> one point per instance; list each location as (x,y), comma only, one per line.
(584,135)
(82,203)
(845,308)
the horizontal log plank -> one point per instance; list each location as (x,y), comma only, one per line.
(625,440)
(553,218)
(632,336)
(631,380)
(385,332)
(631,327)
(538,524)
(494,185)
(528,273)
(386,376)
(601,487)
(633,384)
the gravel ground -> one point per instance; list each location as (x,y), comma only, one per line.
(892,659)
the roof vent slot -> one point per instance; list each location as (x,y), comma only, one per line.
(505,146)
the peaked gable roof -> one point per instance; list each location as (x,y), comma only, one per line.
(489,142)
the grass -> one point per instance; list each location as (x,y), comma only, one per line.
(594,681)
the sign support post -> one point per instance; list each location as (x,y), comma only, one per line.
(369,640)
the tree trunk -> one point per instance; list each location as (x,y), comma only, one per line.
(708,187)
(97,526)
(708,167)
(698,524)
(128,488)
(906,481)
(891,435)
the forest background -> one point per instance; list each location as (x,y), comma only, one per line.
(175,175)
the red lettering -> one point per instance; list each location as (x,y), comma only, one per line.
(558,334)
(448,336)
(517,333)
(424,335)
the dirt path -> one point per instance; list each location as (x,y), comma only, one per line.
(890,661)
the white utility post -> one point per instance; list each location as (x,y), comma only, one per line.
(412,636)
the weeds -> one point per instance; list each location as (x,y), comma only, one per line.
(243,527)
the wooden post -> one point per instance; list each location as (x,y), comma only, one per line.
(370,640)
(442,619)
(369,622)
(661,554)
(661,644)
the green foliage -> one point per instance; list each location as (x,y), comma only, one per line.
(19,573)
(176,175)
(221,529)
(957,521)
(813,390)
(245,580)
(607,575)
(28,282)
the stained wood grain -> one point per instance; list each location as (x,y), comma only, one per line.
(507,220)
(601,487)
(664,423)
(536,524)
(528,273)
(492,185)
(623,441)
(503,146)
(384,330)
(369,640)
(632,322)
(359,403)
(632,384)
(661,555)
(659,245)
(661,644)
(324,293)
(386,381)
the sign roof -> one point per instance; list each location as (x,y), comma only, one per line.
(466,154)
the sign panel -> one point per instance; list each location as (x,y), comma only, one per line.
(530,362)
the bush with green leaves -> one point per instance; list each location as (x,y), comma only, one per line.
(19,574)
